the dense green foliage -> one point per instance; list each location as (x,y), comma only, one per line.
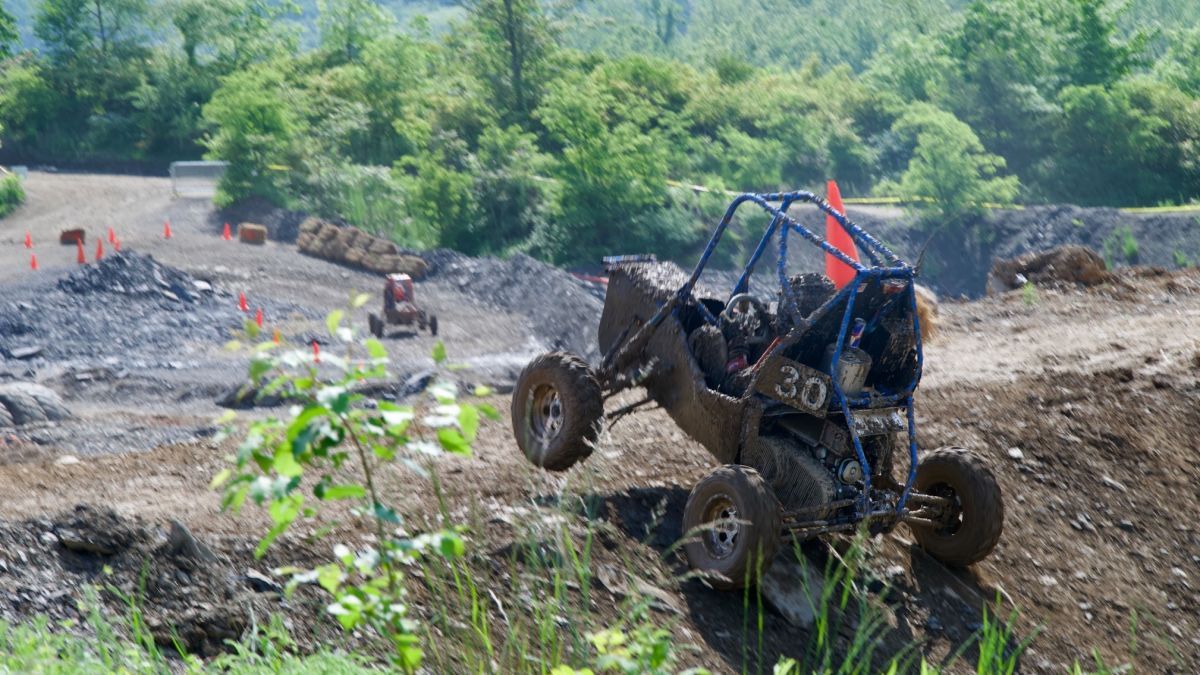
(11,193)
(557,128)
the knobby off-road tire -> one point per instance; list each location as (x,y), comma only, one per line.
(969,535)
(732,527)
(375,324)
(557,410)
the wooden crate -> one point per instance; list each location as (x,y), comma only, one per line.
(72,237)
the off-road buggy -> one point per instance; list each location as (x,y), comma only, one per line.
(805,400)
(400,308)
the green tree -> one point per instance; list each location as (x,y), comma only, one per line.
(231,34)
(1008,55)
(1131,144)
(8,32)
(1098,55)
(440,193)
(513,52)
(77,30)
(348,26)
(612,181)
(255,117)
(949,166)
(95,52)
(512,197)
(1181,65)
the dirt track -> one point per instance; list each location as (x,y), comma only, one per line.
(1096,389)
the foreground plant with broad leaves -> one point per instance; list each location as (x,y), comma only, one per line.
(329,447)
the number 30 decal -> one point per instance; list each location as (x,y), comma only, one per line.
(813,394)
(786,388)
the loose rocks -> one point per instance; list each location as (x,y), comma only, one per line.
(136,275)
(561,308)
(29,403)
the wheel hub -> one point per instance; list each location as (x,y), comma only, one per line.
(949,519)
(721,534)
(545,413)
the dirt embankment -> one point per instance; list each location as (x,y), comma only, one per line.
(955,265)
(1084,400)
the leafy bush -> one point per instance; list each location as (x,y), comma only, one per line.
(256,127)
(331,445)
(12,194)
(949,171)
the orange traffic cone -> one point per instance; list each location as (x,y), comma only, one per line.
(28,240)
(79,256)
(316,352)
(838,272)
(117,245)
(166,229)
(242,304)
(227,235)
(112,237)
(99,250)
(258,317)
(33,262)
(277,338)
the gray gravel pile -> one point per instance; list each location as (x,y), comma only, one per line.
(135,275)
(562,309)
(127,307)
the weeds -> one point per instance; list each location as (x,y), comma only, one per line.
(331,444)
(1029,294)
(1121,246)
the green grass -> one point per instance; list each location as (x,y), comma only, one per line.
(103,643)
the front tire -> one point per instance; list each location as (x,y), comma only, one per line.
(732,526)
(375,324)
(969,531)
(557,411)
(433,325)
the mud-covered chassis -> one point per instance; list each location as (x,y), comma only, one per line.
(801,455)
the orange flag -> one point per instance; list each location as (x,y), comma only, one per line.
(838,272)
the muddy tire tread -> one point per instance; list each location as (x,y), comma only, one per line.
(581,394)
(986,504)
(759,508)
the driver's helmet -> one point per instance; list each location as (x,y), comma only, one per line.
(805,293)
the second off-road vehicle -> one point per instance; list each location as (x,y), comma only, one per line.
(805,400)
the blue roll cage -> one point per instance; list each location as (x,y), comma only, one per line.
(884,265)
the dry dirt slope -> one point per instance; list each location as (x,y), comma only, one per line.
(1084,401)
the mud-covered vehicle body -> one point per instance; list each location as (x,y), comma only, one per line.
(804,399)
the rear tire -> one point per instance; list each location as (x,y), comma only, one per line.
(557,411)
(433,325)
(972,529)
(732,526)
(375,324)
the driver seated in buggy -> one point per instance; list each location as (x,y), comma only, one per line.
(748,328)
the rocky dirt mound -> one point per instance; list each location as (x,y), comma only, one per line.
(184,589)
(128,307)
(559,307)
(1059,265)
(352,246)
(135,275)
